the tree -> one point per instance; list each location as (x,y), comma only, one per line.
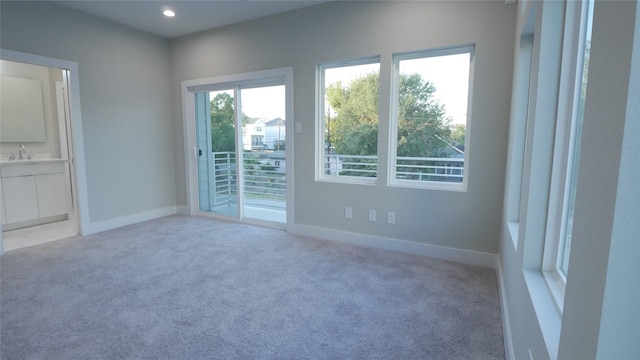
(223,137)
(458,134)
(422,124)
(353,128)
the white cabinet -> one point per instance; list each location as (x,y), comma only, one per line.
(52,195)
(20,198)
(32,192)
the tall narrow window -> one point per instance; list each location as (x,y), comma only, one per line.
(574,147)
(564,176)
(348,121)
(429,118)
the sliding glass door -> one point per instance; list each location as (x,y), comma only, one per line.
(241,152)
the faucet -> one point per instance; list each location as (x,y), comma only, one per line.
(21,151)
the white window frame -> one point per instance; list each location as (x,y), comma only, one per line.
(393,123)
(565,141)
(246,80)
(521,112)
(320,174)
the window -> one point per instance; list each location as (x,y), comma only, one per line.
(429,120)
(348,121)
(520,112)
(567,145)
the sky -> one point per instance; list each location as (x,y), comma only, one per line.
(449,74)
(265,103)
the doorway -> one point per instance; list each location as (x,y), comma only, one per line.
(238,132)
(48,170)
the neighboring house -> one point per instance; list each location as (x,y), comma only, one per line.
(253,132)
(275,134)
(454,164)
(278,160)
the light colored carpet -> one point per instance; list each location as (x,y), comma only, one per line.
(196,288)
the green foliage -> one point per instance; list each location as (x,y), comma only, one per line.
(223,129)
(250,164)
(354,131)
(280,145)
(353,128)
(458,134)
(421,119)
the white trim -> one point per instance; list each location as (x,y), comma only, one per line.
(110,224)
(504,306)
(240,170)
(77,158)
(547,312)
(392,180)
(319,147)
(469,257)
(190,151)
(278,76)
(570,87)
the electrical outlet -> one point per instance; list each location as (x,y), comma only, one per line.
(348,213)
(391,217)
(372,215)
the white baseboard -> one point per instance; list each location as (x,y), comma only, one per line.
(504,306)
(110,224)
(433,251)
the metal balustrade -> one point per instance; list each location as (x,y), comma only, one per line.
(265,184)
(351,165)
(430,169)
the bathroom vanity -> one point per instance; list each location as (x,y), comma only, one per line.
(34,192)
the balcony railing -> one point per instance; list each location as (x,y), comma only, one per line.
(265,184)
(407,168)
(430,169)
(351,165)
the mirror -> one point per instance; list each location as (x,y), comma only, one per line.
(21,111)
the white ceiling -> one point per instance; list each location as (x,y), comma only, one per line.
(191,16)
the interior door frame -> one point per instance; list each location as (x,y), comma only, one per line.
(76,153)
(269,77)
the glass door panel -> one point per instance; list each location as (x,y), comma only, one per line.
(216,147)
(263,153)
(253,157)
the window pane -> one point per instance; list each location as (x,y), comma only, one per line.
(574,155)
(350,120)
(431,117)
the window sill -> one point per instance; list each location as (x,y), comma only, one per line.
(514,232)
(547,312)
(355,180)
(429,185)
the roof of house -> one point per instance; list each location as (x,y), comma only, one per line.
(251,121)
(276,121)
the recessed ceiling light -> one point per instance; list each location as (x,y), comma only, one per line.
(169,13)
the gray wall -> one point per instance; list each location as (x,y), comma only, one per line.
(601,317)
(347,30)
(125,100)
